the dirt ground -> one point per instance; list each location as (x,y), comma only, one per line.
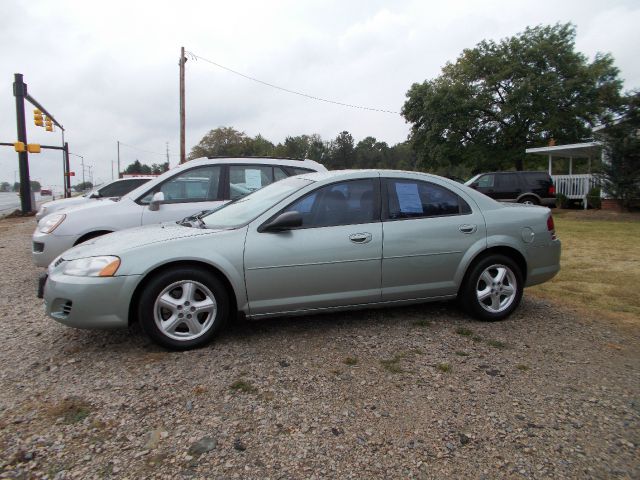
(417,392)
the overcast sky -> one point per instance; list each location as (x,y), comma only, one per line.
(110,73)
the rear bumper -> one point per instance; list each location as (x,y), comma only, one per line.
(544,262)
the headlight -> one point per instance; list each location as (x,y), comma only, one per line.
(92,267)
(50,223)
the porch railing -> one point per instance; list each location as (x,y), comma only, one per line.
(575,187)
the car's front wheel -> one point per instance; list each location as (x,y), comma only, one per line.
(493,288)
(183,308)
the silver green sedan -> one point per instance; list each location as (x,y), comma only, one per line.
(313,243)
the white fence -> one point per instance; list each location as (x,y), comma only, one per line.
(575,187)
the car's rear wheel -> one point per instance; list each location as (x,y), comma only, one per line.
(183,308)
(492,288)
(529,201)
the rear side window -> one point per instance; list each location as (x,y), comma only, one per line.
(416,199)
(244,179)
(508,181)
(300,171)
(537,179)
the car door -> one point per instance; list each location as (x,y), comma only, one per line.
(427,229)
(186,193)
(332,260)
(508,188)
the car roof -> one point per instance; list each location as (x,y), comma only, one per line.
(135,193)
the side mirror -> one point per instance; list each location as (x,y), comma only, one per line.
(284,221)
(156,200)
(95,195)
(474,185)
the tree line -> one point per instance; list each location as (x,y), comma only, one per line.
(338,153)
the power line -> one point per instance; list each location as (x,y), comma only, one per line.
(294,92)
(146,151)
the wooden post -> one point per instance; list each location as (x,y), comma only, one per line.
(182,107)
(550,170)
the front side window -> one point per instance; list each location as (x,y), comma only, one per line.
(195,185)
(122,187)
(344,203)
(416,199)
(485,181)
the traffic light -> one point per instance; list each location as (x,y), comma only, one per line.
(37,118)
(33,148)
(19,147)
(48,124)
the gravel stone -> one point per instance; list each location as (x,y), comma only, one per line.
(80,404)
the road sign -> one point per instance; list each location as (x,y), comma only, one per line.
(71,174)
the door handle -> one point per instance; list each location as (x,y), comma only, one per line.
(467,228)
(360,237)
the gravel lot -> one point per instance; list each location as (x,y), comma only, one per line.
(419,392)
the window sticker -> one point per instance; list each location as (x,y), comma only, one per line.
(253,179)
(408,198)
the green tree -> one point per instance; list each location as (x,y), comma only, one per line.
(341,152)
(222,142)
(497,99)
(621,141)
(370,153)
(35,185)
(159,168)
(260,147)
(137,168)
(82,186)
(5,187)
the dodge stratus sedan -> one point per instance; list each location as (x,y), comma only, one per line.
(310,243)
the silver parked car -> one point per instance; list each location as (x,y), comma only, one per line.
(310,243)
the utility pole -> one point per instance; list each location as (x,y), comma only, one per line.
(20,91)
(183,60)
(167,155)
(118,158)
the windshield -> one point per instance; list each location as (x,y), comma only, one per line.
(247,208)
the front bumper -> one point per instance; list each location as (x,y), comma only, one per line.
(89,302)
(47,246)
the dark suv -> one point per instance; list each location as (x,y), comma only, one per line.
(534,188)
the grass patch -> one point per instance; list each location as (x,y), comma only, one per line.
(476,338)
(392,365)
(600,265)
(460,353)
(351,361)
(465,332)
(71,410)
(497,344)
(422,323)
(522,368)
(444,367)
(242,386)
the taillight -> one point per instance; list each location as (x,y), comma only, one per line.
(552,189)
(551,227)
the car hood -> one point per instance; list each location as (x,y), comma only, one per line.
(65,202)
(123,240)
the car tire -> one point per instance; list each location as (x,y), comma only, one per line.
(183,308)
(529,201)
(492,288)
